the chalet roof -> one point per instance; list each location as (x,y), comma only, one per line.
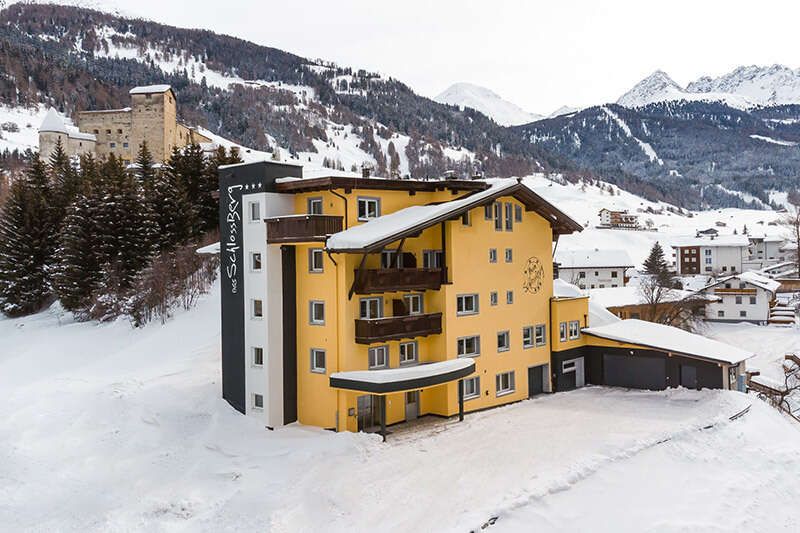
(379,232)
(622,296)
(669,339)
(733,241)
(752,278)
(150,89)
(595,258)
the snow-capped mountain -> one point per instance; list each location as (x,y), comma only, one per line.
(660,87)
(487,102)
(563,110)
(766,86)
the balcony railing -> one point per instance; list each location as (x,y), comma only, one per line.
(734,290)
(302,228)
(372,281)
(397,327)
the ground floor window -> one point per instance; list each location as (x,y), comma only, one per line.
(472,388)
(574,329)
(318,360)
(505,383)
(258,401)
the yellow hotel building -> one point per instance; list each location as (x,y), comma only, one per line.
(355,302)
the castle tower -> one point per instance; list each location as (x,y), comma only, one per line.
(54,128)
(154,118)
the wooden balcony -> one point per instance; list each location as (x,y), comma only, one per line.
(302,228)
(734,290)
(373,281)
(397,327)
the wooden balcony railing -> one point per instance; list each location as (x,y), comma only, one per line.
(373,281)
(733,290)
(397,327)
(302,228)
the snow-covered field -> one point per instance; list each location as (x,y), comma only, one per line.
(104,428)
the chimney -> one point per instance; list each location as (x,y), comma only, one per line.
(450,175)
(366,169)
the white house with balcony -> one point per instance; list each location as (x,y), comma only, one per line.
(745,297)
(593,268)
(713,255)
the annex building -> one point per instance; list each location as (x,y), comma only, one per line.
(353,303)
(151,117)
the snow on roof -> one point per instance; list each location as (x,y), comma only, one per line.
(150,89)
(721,240)
(596,258)
(760,281)
(600,316)
(562,289)
(766,238)
(211,249)
(395,375)
(53,122)
(620,296)
(384,227)
(669,339)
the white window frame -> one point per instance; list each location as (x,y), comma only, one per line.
(255,401)
(461,346)
(253,303)
(312,253)
(417,308)
(256,256)
(562,332)
(475,382)
(315,368)
(498,216)
(311,315)
(404,353)
(574,329)
(509,255)
(250,211)
(503,336)
(540,328)
(493,255)
(432,258)
(373,359)
(461,300)
(256,353)
(527,337)
(504,389)
(312,202)
(368,315)
(368,201)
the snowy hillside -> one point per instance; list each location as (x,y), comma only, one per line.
(487,102)
(106,428)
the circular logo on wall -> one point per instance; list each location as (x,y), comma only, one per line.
(532,275)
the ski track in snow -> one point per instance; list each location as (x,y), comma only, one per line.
(646,148)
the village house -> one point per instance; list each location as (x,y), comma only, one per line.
(151,117)
(618,219)
(713,255)
(589,269)
(354,303)
(746,297)
(764,251)
(675,307)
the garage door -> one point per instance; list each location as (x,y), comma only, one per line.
(634,372)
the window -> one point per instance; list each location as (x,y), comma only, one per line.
(255,261)
(574,329)
(408,353)
(708,260)
(742,285)
(707,252)
(562,332)
(498,217)
(465,219)
(258,401)
(742,313)
(413,304)
(467,304)
(314,206)
(318,360)
(509,255)
(738,299)
(370,308)
(315,263)
(124,145)
(369,208)
(509,216)
(255,211)
(112,145)
(432,259)
(724,269)
(378,357)
(540,335)
(509,297)
(487,212)
(708,269)
(527,337)
(257,309)
(596,273)
(517,213)
(568,366)
(752,300)
(258,356)
(493,255)
(389,259)
(503,341)
(119,132)
(582,275)
(720,313)
(493,298)
(505,383)
(317,312)
(614,273)
(469,346)
(96,132)
(472,388)
(108,132)
(148,96)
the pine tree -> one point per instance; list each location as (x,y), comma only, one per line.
(656,266)
(77,272)
(66,184)
(25,243)
(173,216)
(145,165)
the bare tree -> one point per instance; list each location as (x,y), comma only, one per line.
(792,222)
(783,397)
(667,305)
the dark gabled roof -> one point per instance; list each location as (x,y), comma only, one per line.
(351,183)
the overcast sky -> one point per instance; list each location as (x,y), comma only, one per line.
(539,55)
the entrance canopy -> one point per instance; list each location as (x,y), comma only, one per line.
(403,379)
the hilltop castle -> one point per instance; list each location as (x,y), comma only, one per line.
(152,117)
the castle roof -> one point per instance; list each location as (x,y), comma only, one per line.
(53,122)
(150,89)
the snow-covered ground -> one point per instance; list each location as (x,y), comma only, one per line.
(105,428)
